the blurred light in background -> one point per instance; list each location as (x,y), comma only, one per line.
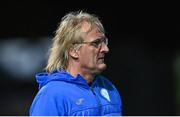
(22,58)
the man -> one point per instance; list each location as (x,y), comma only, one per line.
(72,85)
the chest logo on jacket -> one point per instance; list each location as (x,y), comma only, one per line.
(79,101)
(105,94)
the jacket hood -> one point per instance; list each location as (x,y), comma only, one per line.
(59,75)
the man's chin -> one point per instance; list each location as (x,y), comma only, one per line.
(102,67)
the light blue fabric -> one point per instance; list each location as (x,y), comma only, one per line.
(60,94)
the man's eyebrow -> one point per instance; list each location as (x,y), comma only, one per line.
(102,37)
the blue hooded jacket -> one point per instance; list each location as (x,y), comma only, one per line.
(60,94)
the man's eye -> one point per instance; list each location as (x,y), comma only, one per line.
(97,42)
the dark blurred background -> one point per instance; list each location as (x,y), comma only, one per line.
(143,63)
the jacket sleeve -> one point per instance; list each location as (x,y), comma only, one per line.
(46,105)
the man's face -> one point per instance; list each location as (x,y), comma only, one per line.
(93,50)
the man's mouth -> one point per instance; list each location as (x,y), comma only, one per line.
(101,59)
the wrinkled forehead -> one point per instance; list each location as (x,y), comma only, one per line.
(91,32)
(86,27)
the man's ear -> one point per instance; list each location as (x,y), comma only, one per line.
(74,53)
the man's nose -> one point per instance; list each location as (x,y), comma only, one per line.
(104,48)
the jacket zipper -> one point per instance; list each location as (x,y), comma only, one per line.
(97,99)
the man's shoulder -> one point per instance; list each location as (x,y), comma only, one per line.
(54,87)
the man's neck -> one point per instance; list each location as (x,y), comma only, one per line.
(84,73)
